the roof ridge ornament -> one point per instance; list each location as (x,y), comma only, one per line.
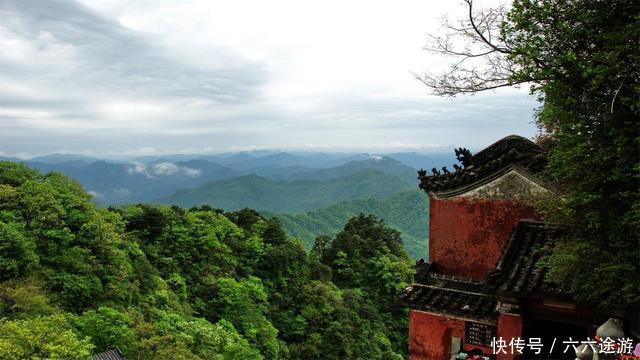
(464,156)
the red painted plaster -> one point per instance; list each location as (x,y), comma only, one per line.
(430,336)
(466,236)
(509,327)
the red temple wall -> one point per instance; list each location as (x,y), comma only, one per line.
(509,327)
(467,235)
(430,336)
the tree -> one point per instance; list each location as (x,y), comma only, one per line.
(321,245)
(107,328)
(14,174)
(244,303)
(17,253)
(38,203)
(367,258)
(330,323)
(355,250)
(172,336)
(24,299)
(49,337)
(273,234)
(244,218)
(581,59)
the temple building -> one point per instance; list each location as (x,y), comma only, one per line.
(483,279)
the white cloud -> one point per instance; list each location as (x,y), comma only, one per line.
(190,172)
(137,168)
(161,169)
(165,168)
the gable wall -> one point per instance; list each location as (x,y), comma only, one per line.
(467,235)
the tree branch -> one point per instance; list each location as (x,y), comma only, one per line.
(480,63)
(480,34)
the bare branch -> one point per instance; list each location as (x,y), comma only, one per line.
(481,55)
(445,47)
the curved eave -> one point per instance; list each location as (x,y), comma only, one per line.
(465,188)
(506,139)
(451,302)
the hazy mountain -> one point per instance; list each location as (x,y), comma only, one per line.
(318,160)
(244,160)
(9,158)
(116,183)
(383,164)
(154,177)
(228,159)
(163,158)
(262,193)
(251,161)
(406,211)
(62,158)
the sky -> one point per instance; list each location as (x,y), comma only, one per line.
(149,77)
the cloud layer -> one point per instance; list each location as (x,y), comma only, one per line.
(112,77)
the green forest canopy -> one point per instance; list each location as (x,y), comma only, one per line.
(166,282)
(406,211)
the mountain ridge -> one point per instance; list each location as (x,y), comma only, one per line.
(266,194)
(405,211)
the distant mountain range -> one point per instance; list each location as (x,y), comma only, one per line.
(255,159)
(149,178)
(117,183)
(63,158)
(250,161)
(382,164)
(264,194)
(405,211)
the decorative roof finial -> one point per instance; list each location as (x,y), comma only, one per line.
(464,156)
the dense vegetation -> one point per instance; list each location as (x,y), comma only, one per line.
(166,282)
(408,212)
(587,78)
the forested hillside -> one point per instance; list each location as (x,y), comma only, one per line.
(290,196)
(166,282)
(382,164)
(408,212)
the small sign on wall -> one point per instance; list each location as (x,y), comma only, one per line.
(479,334)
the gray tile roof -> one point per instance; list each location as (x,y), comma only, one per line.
(113,354)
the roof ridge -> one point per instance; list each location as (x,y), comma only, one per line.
(506,138)
(511,151)
(435,287)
